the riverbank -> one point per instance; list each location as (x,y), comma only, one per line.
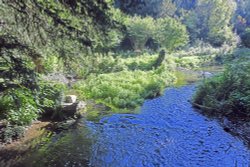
(227,97)
(36,135)
(239,127)
(11,153)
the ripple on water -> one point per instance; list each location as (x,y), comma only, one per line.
(167,132)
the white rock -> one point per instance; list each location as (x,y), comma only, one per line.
(206,74)
(81,105)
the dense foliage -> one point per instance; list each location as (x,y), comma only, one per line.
(34,33)
(170,34)
(167,32)
(20,106)
(140,30)
(245,37)
(227,93)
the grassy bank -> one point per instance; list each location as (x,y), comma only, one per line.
(227,93)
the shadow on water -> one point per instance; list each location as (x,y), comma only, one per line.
(66,149)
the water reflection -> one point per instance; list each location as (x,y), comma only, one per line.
(67,149)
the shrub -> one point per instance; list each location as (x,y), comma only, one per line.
(20,106)
(50,95)
(194,62)
(227,93)
(96,63)
(143,62)
(246,38)
(10,132)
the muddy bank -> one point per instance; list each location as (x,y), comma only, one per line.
(236,125)
(35,135)
(11,153)
(239,127)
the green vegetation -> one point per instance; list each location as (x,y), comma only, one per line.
(21,106)
(140,30)
(126,89)
(117,53)
(169,33)
(246,38)
(226,93)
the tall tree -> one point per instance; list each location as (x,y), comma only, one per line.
(219,23)
(210,20)
(241,18)
(140,30)
(156,8)
(170,33)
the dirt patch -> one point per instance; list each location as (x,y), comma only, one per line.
(238,126)
(11,153)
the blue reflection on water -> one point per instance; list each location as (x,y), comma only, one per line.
(167,132)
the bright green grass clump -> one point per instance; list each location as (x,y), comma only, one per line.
(126,89)
(144,62)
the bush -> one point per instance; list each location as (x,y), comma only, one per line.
(245,37)
(226,93)
(19,106)
(50,95)
(143,62)
(10,132)
(191,62)
(96,63)
(194,62)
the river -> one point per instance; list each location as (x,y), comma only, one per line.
(167,132)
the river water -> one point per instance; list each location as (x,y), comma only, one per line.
(167,132)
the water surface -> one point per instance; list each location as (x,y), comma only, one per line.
(167,132)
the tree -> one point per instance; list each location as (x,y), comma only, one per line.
(243,10)
(185,4)
(140,30)
(167,32)
(33,29)
(155,9)
(220,29)
(170,33)
(210,20)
